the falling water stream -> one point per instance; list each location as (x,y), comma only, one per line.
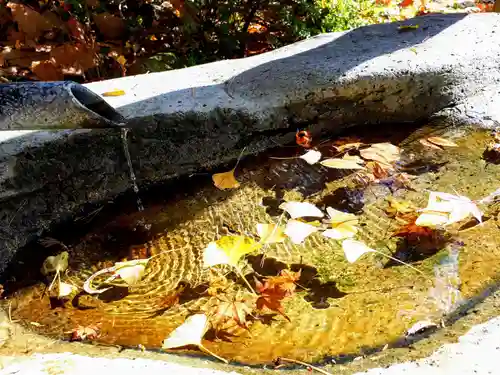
(133,179)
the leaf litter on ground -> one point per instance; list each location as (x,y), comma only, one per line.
(190,332)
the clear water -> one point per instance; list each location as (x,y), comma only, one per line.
(339,308)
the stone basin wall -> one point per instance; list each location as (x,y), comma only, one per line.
(196,118)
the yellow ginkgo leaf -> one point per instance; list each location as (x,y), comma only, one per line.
(270,233)
(343,224)
(344,163)
(190,332)
(432,219)
(225,180)
(228,250)
(131,273)
(398,207)
(114,93)
(301,209)
(298,231)
(354,249)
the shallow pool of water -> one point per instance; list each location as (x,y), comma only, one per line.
(339,308)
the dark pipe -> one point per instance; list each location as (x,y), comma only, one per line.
(54,105)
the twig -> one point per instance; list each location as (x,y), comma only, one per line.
(305,364)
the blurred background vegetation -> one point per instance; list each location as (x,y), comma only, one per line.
(88,40)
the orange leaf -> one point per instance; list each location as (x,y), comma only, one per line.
(275,289)
(47,70)
(76,56)
(406,3)
(29,21)
(225,180)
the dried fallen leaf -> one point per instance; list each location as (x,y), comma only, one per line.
(234,310)
(345,163)
(407,27)
(110,26)
(426,143)
(29,21)
(47,70)
(190,332)
(354,249)
(301,209)
(225,180)
(446,209)
(420,327)
(132,271)
(298,231)
(270,233)
(228,250)
(343,224)
(274,290)
(397,207)
(443,142)
(81,333)
(311,156)
(114,93)
(384,153)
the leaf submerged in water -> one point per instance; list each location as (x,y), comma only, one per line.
(354,249)
(270,233)
(228,250)
(343,225)
(190,332)
(311,156)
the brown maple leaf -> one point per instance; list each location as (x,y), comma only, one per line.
(235,310)
(412,231)
(275,289)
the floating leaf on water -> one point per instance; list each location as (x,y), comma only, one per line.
(190,332)
(441,142)
(311,156)
(420,327)
(398,207)
(228,250)
(275,289)
(235,310)
(348,146)
(301,209)
(225,180)
(65,289)
(344,163)
(385,153)
(455,207)
(270,233)
(432,219)
(298,231)
(354,249)
(131,273)
(343,224)
(114,93)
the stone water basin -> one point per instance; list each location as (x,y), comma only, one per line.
(339,309)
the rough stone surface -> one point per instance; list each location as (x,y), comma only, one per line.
(199,117)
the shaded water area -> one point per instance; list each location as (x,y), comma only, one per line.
(338,309)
